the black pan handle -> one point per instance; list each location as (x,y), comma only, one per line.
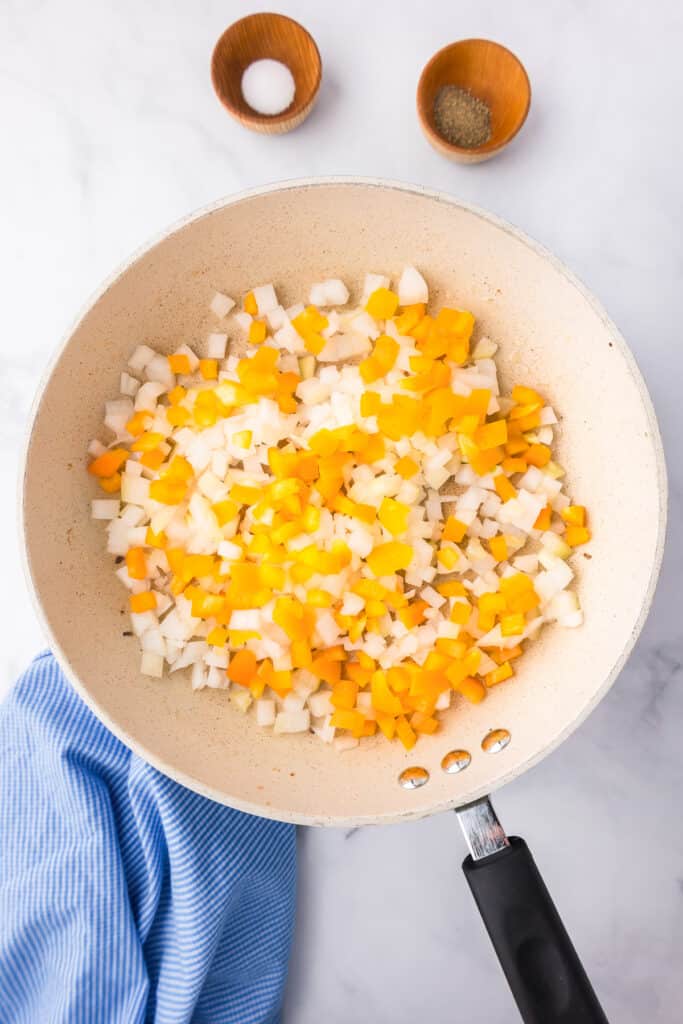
(540,963)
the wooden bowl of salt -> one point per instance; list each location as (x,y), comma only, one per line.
(266,70)
(472,99)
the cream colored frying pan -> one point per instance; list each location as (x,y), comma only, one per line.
(553,336)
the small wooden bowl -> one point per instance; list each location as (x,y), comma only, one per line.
(253,38)
(491,73)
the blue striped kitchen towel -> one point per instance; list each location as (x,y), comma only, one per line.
(125,897)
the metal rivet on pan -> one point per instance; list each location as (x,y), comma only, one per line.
(413,778)
(495,741)
(456,761)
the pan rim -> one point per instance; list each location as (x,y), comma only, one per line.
(654,436)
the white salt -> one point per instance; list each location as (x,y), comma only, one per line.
(268,86)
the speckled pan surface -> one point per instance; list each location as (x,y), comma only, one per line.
(553,335)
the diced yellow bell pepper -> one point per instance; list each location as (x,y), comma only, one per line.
(179,469)
(471,689)
(387,724)
(577,535)
(386,559)
(382,698)
(167,492)
(178,415)
(409,318)
(500,674)
(574,515)
(217,637)
(257,332)
(460,612)
(490,435)
(513,624)
(405,733)
(382,304)
(393,515)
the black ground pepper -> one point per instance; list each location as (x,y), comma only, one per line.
(461,118)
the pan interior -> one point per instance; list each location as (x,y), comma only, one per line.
(552,336)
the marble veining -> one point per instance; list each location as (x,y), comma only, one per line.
(110,132)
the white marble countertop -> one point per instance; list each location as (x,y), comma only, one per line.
(111,131)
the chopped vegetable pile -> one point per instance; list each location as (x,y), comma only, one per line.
(347,526)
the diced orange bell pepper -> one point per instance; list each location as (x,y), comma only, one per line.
(504,488)
(513,464)
(522,395)
(454,530)
(406,467)
(544,518)
(498,547)
(144,602)
(153,459)
(351,720)
(344,694)
(176,394)
(382,697)
(111,484)
(108,462)
(242,667)
(179,363)
(537,455)
(209,369)
(326,668)
(136,424)
(423,723)
(136,564)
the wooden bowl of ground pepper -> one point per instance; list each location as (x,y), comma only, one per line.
(472,99)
